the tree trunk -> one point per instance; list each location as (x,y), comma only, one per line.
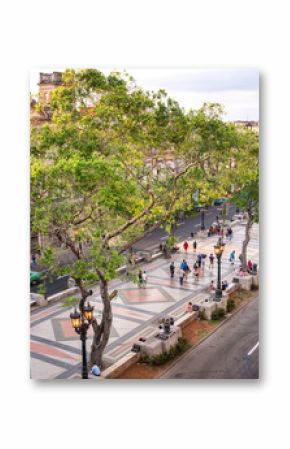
(102,330)
(245,243)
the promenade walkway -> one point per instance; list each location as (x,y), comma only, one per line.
(55,347)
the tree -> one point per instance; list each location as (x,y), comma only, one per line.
(90,189)
(244,180)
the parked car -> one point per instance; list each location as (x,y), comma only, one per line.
(36,277)
(219,201)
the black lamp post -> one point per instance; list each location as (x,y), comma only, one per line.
(81,322)
(202,227)
(219,249)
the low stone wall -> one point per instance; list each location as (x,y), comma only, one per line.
(119,367)
(130,359)
(56,297)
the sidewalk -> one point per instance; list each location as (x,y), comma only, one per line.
(55,347)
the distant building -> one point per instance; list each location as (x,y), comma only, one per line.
(47,83)
(249,124)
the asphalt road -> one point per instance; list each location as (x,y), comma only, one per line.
(183,231)
(231,352)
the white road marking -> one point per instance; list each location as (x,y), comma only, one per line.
(197,225)
(253,349)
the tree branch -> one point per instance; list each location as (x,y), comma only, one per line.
(129,223)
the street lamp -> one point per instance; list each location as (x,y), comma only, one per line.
(202,226)
(219,249)
(81,321)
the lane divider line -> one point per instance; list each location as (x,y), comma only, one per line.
(253,349)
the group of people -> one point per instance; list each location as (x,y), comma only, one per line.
(184,270)
(211,286)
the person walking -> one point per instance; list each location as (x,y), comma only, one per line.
(183,265)
(194,246)
(196,273)
(211,261)
(140,278)
(144,276)
(33,258)
(232,257)
(181,276)
(172,269)
(185,246)
(198,260)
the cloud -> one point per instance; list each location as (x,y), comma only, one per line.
(199,80)
(236,89)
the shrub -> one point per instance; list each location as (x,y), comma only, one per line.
(218,314)
(230,305)
(201,314)
(164,357)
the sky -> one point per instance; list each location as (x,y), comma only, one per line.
(236,89)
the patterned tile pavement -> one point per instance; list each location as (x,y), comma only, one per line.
(55,347)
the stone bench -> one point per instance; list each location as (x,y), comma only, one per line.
(185,319)
(232,288)
(146,255)
(118,367)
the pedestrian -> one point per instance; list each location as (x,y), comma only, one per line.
(196,273)
(33,258)
(230,233)
(185,246)
(144,279)
(222,233)
(211,261)
(140,278)
(211,286)
(198,260)
(95,370)
(194,246)
(172,269)
(181,276)
(250,266)
(225,285)
(232,257)
(183,265)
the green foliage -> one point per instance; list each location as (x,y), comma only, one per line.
(171,242)
(201,314)
(230,305)
(70,301)
(42,289)
(89,183)
(217,314)
(181,346)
